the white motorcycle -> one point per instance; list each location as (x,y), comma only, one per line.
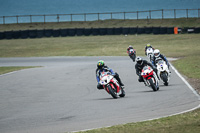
(111,85)
(163,72)
(149,53)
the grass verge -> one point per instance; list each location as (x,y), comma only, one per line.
(4,70)
(183,123)
(182,45)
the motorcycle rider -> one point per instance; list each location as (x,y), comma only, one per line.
(140,64)
(101,67)
(128,49)
(157,56)
(148,46)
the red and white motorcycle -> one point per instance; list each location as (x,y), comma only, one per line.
(149,53)
(132,54)
(163,72)
(150,78)
(111,85)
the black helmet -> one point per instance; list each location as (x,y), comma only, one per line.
(139,60)
(100,64)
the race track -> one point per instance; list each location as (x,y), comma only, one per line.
(61,96)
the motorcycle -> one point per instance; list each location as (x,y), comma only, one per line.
(163,72)
(111,85)
(149,53)
(150,78)
(132,54)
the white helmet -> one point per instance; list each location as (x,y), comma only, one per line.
(156,52)
(139,60)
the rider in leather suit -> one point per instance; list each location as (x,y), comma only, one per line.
(148,46)
(140,63)
(102,68)
(157,56)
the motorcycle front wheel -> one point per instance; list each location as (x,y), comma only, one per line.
(133,57)
(164,78)
(153,86)
(112,92)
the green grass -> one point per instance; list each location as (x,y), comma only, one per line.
(189,66)
(183,123)
(171,45)
(4,70)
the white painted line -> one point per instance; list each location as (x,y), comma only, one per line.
(185,81)
(9,73)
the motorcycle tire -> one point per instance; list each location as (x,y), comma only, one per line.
(164,78)
(133,57)
(153,86)
(112,92)
(123,93)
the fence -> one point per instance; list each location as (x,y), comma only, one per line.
(150,14)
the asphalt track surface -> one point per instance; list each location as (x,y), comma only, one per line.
(62,96)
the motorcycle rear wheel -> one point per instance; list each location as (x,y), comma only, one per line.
(112,92)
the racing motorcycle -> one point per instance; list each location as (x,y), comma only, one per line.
(132,54)
(150,78)
(149,53)
(163,71)
(111,85)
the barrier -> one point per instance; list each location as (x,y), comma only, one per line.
(140,30)
(133,31)
(95,31)
(48,32)
(125,31)
(8,34)
(56,33)
(110,31)
(2,36)
(25,34)
(156,30)
(197,30)
(87,32)
(40,33)
(79,31)
(16,34)
(163,30)
(148,30)
(71,32)
(32,33)
(170,30)
(64,32)
(102,31)
(117,31)
(190,30)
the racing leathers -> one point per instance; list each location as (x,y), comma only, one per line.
(106,69)
(160,57)
(131,51)
(139,68)
(147,48)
